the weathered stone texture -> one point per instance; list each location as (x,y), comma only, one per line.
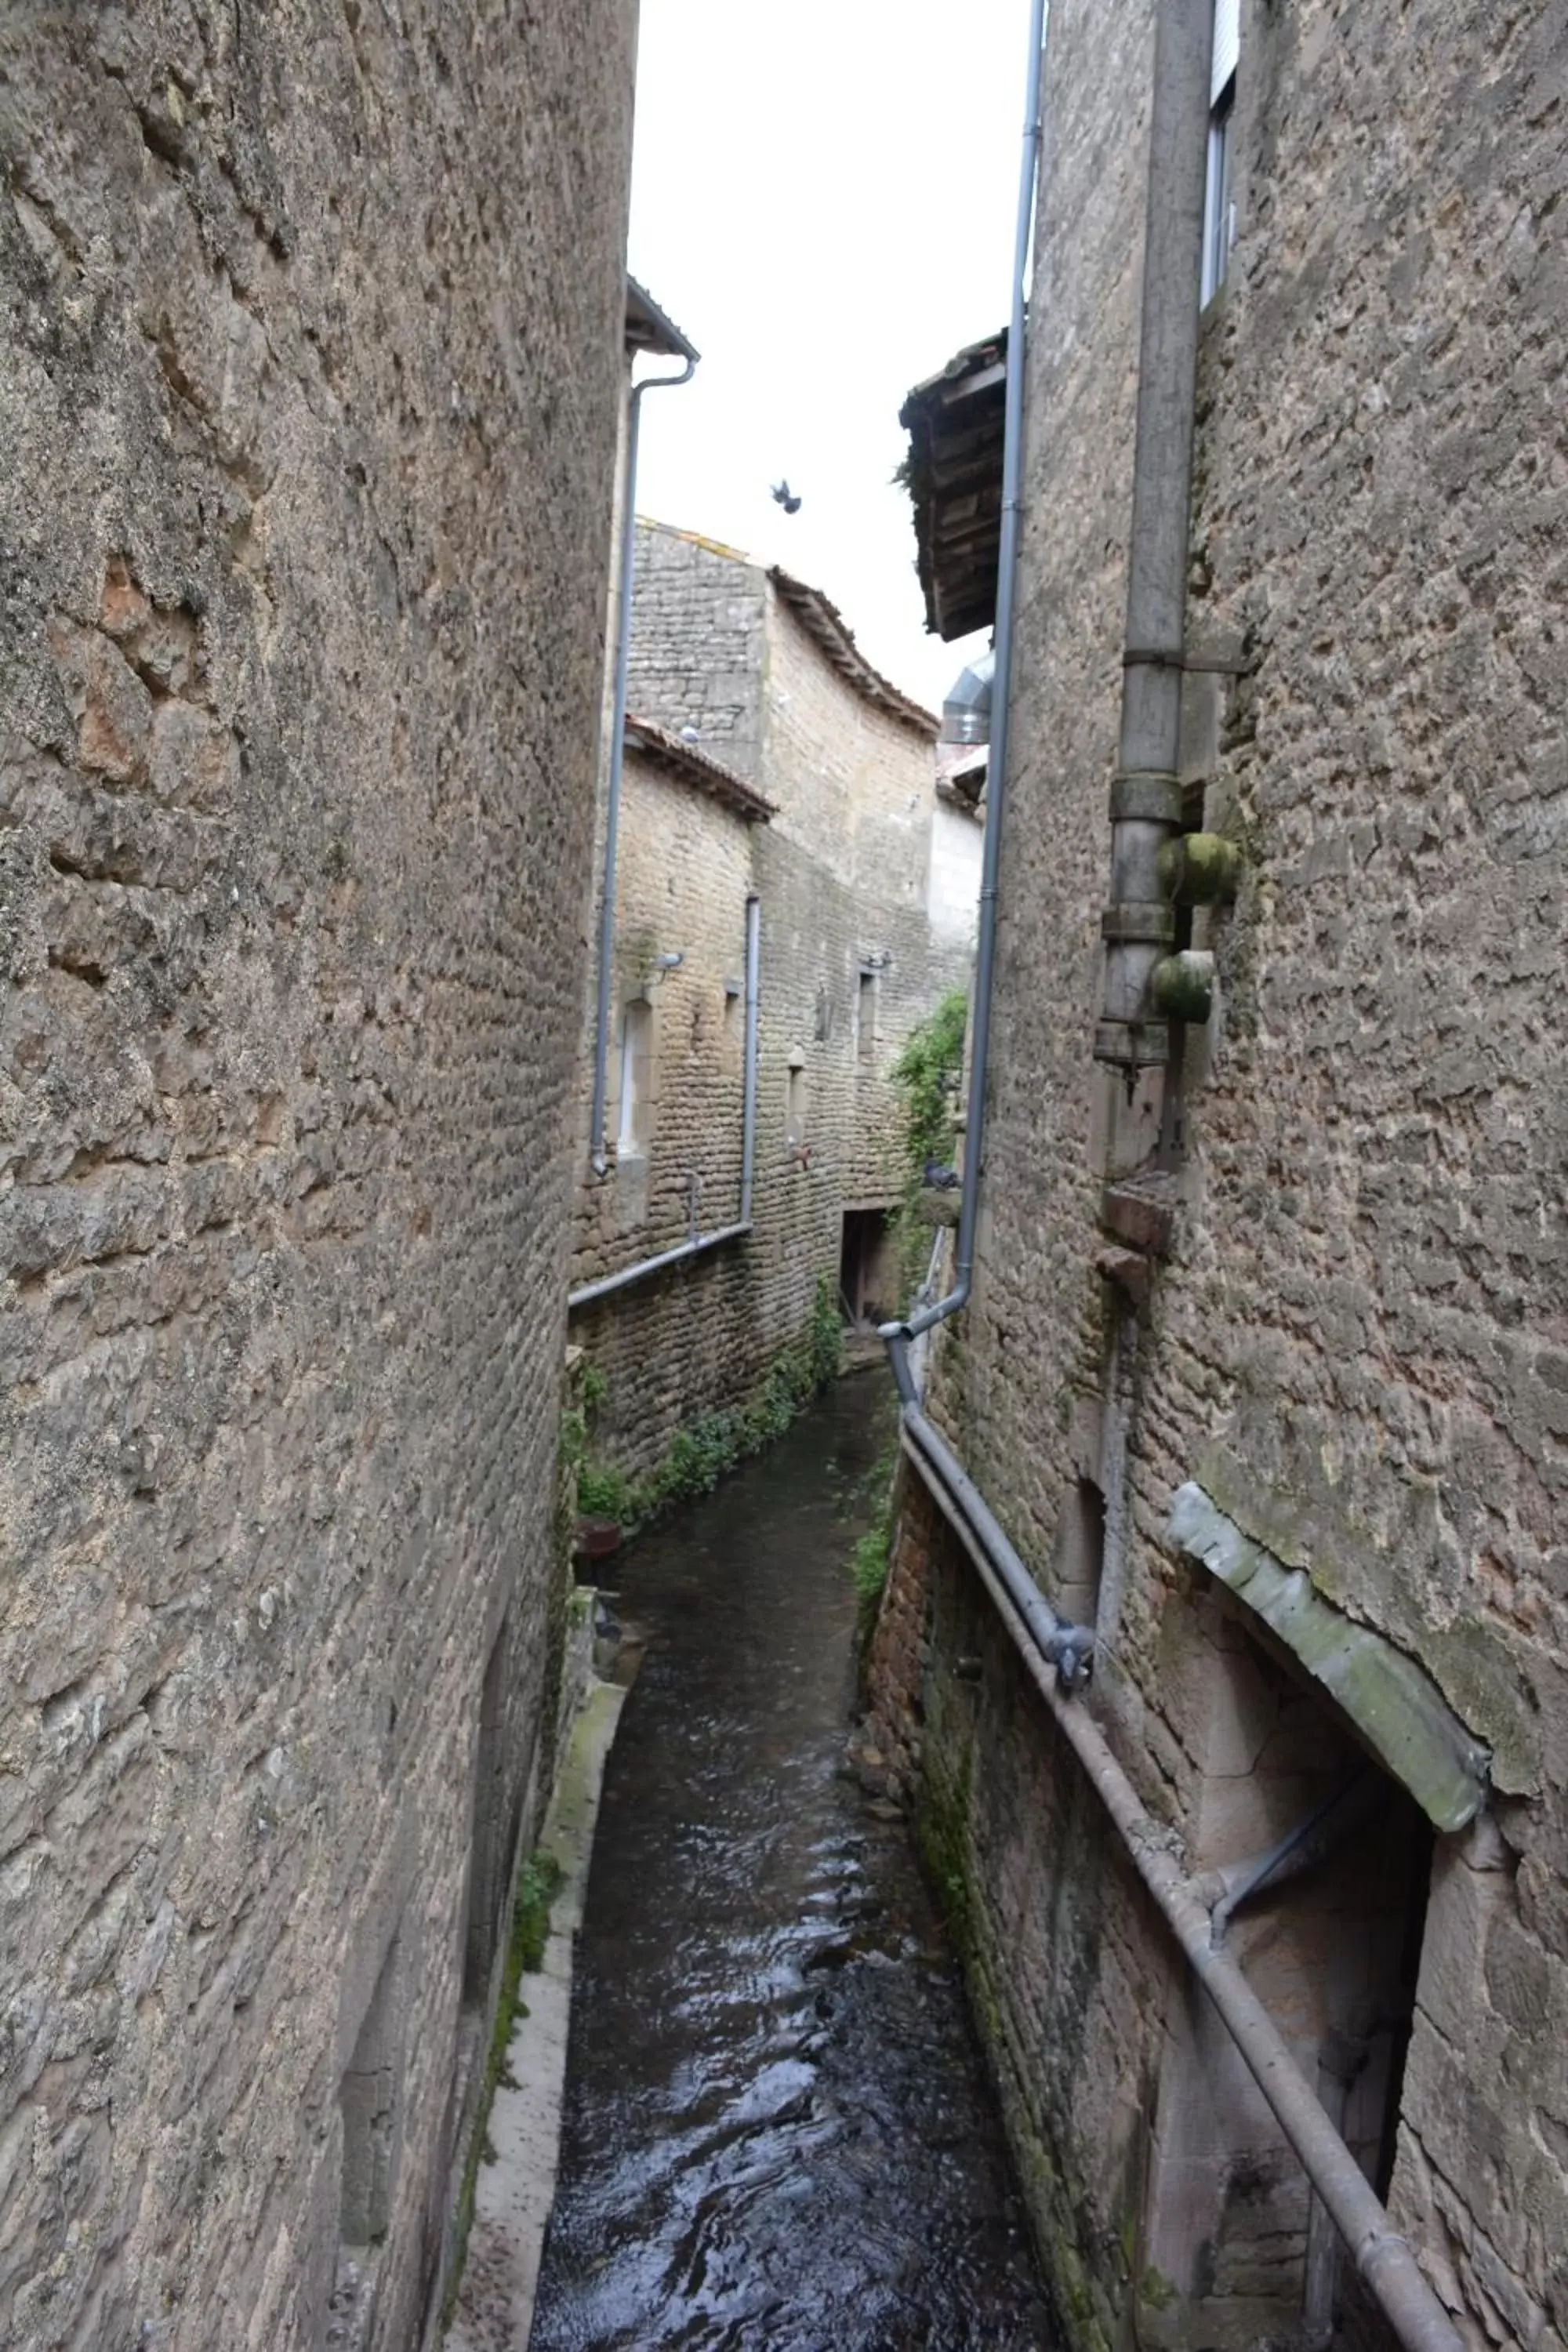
(307,399)
(1358,1341)
(841,871)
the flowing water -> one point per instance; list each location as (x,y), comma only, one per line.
(778,2133)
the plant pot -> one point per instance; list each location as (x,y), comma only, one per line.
(598,1539)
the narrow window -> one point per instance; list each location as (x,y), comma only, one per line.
(1219,208)
(1080,1551)
(795,1102)
(636,1078)
(866,1020)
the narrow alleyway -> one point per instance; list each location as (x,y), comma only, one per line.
(778,2138)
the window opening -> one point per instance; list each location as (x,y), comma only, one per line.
(866,1020)
(1080,1551)
(795,1101)
(636,1078)
(1330,1935)
(1219,208)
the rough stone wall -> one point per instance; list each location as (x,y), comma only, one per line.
(697,651)
(841,875)
(311,344)
(1358,1342)
(685,869)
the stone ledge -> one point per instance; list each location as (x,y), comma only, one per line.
(1392,1701)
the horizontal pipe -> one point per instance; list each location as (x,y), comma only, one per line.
(1069,1648)
(611,1282)
(1381,2255)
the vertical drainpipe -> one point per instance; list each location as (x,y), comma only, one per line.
(1139,925)
(619,750)
(749,1083)
(1000,713)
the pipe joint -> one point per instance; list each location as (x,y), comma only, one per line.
(1149,922)
(1199,869)
(1146,798)
(1180,987)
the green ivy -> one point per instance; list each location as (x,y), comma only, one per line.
(870,1556)
(704,1449)
(927,1075)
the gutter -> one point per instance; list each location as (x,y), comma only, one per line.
(1058,1656)
(617,736)
(701,1243)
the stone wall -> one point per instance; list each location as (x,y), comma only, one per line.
(841,872)
(1357,1341)
(311,331)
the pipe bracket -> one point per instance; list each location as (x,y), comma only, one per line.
(1132,1044)
(1150,921)
(1181,986)
(1145,797)
(1199,869)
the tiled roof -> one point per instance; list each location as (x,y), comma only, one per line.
(823,621)
(698,768)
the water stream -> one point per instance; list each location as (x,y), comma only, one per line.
(778,2134)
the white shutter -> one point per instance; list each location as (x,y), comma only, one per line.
(1227,44)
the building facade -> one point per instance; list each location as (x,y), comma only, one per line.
(769,766)
(1263,1373)
(309,396)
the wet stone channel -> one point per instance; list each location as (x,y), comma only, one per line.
(778,2131)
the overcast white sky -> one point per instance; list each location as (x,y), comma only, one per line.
(823,199)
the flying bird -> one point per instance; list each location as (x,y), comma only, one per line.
(786,497)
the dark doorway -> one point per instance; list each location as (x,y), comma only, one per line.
(868,1268)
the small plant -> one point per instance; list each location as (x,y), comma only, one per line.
(927,1075)
(705,1448)
(870,1556)
(537,1884)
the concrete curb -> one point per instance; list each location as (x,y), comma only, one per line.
(516,2187)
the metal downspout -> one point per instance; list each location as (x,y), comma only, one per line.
(1139,925)
(605,1287)
(1001,702)
(749,1093)
(619,751)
